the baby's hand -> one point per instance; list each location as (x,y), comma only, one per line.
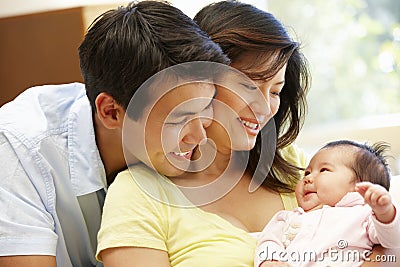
(379,199)
(274,264)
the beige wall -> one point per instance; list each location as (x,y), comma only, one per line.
(42,48)
(37,49)
(10,8)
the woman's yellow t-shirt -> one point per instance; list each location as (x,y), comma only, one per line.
(136,213)
(297,157)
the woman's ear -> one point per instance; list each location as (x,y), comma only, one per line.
(110,113)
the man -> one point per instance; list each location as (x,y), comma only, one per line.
(61,145)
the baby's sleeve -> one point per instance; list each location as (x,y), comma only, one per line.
(270,242)
(385,234)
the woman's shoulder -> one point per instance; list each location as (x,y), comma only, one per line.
(151,184)
(289,201)
(136,181)
(141,175)
(295,155)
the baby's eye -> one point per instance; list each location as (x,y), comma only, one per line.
(324,170)
(306,173)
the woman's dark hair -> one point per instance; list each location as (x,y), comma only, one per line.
(125,46)
(240,28)
(370,162)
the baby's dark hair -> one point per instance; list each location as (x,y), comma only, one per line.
(370,163)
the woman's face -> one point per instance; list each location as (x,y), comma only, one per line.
(244,106)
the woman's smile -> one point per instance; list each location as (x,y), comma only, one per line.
(251,126)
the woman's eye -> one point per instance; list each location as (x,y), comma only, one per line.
(249,86)
(276,93)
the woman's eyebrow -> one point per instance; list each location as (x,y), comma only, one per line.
(280,82)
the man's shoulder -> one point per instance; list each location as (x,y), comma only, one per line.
(39,111)
(44,93)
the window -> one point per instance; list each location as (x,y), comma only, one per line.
(353,48)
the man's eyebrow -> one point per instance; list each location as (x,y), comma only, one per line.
(281,82)
(191,113)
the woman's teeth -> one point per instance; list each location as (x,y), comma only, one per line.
(251,125)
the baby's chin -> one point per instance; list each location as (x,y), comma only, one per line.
(317,207)
(310,206)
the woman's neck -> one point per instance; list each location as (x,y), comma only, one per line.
(219,160)
(204,186)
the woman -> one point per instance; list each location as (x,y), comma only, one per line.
(217,231)
(259,46)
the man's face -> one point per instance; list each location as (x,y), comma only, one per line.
(173,128)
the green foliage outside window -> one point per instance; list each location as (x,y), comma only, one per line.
(353,47)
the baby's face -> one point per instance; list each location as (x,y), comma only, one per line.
(328,178)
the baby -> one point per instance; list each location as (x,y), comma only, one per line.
(344,209)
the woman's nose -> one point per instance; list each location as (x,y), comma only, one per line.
(260,108)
